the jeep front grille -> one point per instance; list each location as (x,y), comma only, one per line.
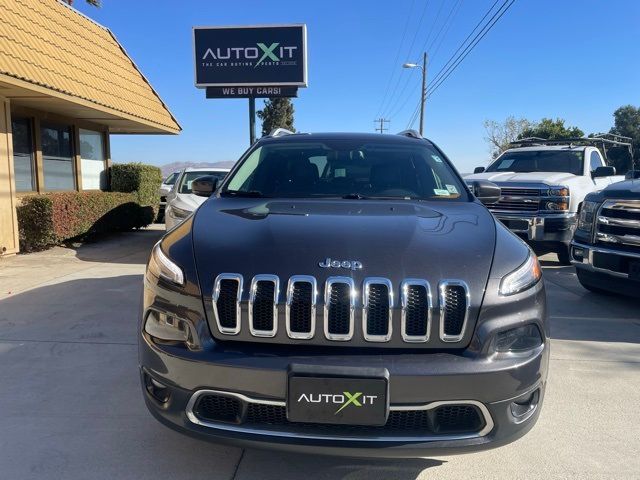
(366,311)
(339,308)
(454,309)
(226,302)
(618,222)
(301,307)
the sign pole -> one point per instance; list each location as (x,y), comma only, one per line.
(252,120)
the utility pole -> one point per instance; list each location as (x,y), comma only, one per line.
(252,120)
(423,89)
(423,97)
(381,128)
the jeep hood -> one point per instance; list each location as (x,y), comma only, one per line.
(547,178)
(392,239)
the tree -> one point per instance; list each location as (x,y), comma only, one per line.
(551,130)
(627,122)
(277,113)
(500,134)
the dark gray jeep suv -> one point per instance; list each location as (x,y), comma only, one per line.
(345,294)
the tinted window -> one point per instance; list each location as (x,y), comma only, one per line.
(595,161)
(57,157)
(189,177)
(567,161)
(22,154)
(345,168)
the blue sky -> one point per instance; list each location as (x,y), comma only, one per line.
(545,58)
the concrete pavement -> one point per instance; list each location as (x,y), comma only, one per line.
(70,405)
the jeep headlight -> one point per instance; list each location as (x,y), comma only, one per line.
(587,215)
(161,266)
(523,277)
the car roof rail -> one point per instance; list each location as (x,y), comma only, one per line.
(280,132)
(410,133)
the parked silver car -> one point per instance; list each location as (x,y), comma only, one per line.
(180,201)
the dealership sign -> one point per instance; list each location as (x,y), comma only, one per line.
(256,56)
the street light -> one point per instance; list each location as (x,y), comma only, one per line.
(423,90)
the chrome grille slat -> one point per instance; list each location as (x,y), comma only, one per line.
(298,315)
(341,299)
(452,292)
(417,305)
(377,309)
(225,310)
(263,305)
(618,222)
(335,308)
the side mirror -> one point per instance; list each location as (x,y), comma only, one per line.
(632,175)
(603,172)
(204,186)
(478,170)
(485,191)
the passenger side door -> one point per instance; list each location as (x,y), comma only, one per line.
(595,161)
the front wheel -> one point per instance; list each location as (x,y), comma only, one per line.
(564,254)
(585,283)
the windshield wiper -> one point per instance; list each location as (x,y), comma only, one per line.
(242,193)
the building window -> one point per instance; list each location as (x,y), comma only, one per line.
(23,155)
(92,160)
(57,157)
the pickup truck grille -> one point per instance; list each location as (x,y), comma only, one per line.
(618,223)
(343,302)
(517,200)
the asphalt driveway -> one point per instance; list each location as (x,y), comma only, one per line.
(70,405)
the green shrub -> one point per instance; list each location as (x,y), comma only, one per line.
(143,180)
(53,218)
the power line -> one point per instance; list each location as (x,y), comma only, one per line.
(466,42)
(397,84)
(382,121)
(470,49)
(458,56)
(396,59)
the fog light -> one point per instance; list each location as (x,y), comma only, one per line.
(156,389)
(518,339)
(164,326)
(578,254)
(524,408)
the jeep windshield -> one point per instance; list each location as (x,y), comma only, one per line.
(562,161)
(345,169)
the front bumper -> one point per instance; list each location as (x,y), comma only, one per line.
(605,268)
(540,228)
(417,381)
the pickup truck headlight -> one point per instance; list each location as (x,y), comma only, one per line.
(587,214)
(180,212)
(558,192)
(523,277)
(557,206)
(162,267)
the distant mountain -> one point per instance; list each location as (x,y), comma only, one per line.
(168,168)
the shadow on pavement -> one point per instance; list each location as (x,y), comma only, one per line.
(268,465)
(127,247)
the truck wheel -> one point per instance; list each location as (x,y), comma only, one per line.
(564,255)
(589,286)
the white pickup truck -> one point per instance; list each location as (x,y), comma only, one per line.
(543,186)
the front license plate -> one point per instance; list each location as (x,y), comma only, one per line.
(345,401)
(634,270)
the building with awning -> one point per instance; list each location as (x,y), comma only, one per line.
(66,84)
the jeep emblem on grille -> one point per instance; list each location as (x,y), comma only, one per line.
(349,264)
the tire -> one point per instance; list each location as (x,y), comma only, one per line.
(588,286)
(564,255)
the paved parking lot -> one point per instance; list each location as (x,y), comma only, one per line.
(70,405)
